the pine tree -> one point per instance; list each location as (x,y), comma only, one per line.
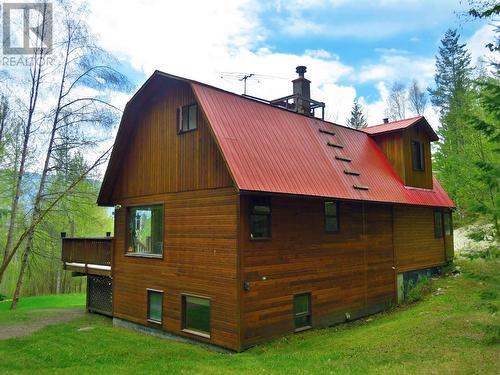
(453,72)
(357,119)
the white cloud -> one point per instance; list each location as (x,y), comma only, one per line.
(476,45)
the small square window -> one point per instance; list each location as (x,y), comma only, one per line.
(438,224)
(155,308)
(331,217)
(302,311)
(187,118)
(260,217)
(196,315)
(417,154)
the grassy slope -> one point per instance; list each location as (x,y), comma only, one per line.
(454,332)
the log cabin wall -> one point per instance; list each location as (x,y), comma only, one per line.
(187,175)
(414,242)
(346,272)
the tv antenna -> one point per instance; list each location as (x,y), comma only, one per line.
(244,77)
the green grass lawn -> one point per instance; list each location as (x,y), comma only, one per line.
(35,308)
(453,330)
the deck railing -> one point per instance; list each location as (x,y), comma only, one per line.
(87,255)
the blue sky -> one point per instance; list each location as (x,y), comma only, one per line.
(353,49)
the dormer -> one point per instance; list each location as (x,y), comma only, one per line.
(407,146)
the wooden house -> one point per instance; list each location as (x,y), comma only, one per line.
(238,220)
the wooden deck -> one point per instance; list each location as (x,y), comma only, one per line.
(90,256)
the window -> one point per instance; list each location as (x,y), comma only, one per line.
(187,118)
(417,155)
(438,224)
(155,302)
(331,216)
(260,217)
(196,315)
(145,234)
(302,311)
(447,223)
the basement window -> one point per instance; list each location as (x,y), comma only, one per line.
(417,155)
(145,230)
(187,118)
(260,218)
(196,315)
(155,305)
(438,224)
(302,311)
(332,217)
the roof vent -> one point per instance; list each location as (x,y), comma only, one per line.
(386,120)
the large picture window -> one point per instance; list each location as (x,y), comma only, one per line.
(332,217)
(417,155)
(302,311)
(187,118)
(438,224)
(155,305)
(260,217)
(145,230)
(196,315)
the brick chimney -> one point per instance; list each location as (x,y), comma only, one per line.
(302,88)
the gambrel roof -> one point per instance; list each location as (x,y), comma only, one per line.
(272,150)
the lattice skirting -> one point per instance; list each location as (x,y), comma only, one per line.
(100,294)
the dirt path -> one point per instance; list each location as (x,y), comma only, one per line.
(55,316)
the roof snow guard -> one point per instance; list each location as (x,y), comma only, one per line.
(269,149)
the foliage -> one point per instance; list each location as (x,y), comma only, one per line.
(418,290)
(357,119)
(449,333)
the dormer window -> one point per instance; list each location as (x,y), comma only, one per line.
(417,155)
(187,118)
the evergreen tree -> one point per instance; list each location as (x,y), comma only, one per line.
(453,72)
(357,119)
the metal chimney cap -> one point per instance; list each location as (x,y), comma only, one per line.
(301,69)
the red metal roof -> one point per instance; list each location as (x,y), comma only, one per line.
(273,150)
(400,125)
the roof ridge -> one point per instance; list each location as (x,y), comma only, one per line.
(395,122)
(168,75)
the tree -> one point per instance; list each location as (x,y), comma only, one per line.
(84,64)
(417,98)
(396,102)
(357,119)
(453,72)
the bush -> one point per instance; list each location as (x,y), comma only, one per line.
(416,291)
(489,253)
(2,297)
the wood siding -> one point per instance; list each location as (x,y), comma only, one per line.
(159,160)
(199,257)
(421,179)
(392,147)
(346,272)
(414,243)
(397,149)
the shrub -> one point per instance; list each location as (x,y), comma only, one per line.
(416,291)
